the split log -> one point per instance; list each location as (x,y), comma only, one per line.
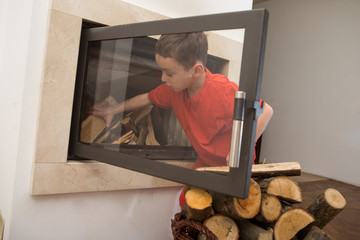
(198,205)
(143,132)
(150,138)
(270,209)
(262,170)
(222,226)
(291,222)
(239,208)
(124,138)
(315,233)
(250,231)
(111,133)
(91,127)
(128,124)
(285,188)
(327,206)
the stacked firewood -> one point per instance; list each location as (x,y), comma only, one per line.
(135,128)
(269,212)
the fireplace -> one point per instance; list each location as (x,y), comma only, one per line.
(56,170)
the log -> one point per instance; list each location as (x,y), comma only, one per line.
(270,209)
(114,130)
(143,132)
(198,204)
(222,226)
(150,138)
(326,207)
(250,231)
(285,188)
(315,233)
(291,222)
(128,124)
(91,127)
(262,170)
(239,208)
(127,136)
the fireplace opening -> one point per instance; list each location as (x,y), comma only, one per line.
(112,71)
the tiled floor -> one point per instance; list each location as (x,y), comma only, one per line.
(346,225)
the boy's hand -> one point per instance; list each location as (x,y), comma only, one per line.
(105,112)
(227,159)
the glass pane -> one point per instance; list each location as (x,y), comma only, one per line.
(118,70)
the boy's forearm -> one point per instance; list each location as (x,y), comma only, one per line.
(133,103)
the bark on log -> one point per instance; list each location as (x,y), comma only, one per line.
(270,209)
(315,233)
(198,205)
(250,231)
(222,226)
(285,188)
(239,208)
(291,222)
(262,170)
(327,206)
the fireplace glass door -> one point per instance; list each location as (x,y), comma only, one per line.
(118,63)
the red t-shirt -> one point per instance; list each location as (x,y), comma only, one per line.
(206,118)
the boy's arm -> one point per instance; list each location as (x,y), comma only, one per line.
(108,112)
(263,120)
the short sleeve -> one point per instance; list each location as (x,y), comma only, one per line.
(161,96)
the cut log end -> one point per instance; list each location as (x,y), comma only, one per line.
(198,198)
(198,204)
(270,209)
(249,207)
(327,206)
(283,187)
(291,222)
(334,198)
(222,226)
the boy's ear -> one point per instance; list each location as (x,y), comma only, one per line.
(198,69)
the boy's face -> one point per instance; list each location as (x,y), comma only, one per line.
(174,74)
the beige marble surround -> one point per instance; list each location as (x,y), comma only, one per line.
(52,172)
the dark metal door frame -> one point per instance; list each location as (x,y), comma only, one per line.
(236,183)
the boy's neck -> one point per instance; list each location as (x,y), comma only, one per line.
(198,83)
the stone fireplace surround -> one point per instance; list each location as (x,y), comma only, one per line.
(52,172)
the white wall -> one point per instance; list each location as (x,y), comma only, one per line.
(137,214)
(311,78)
(14,41)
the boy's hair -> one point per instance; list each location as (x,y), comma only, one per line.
(186,48)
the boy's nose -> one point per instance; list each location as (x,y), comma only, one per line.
(163,77)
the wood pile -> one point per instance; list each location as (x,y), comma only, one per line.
(269,212)
(135,128)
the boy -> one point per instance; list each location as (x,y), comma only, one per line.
(202,102)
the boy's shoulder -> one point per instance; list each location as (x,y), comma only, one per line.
(220,81)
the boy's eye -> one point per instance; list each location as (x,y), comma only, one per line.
(169,74)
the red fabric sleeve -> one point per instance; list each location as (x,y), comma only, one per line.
(161,96)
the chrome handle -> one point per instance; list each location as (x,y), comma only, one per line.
(237,129)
